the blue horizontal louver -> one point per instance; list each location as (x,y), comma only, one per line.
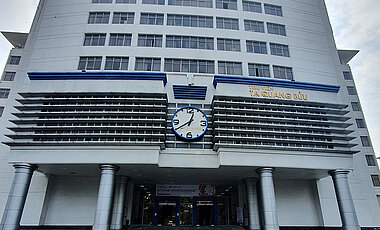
(274,83)
(98,76)
(189,92)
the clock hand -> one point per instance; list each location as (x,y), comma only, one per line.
(182,125)
(191,119)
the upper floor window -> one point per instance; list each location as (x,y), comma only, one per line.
(154,2)
(189,42)
(276,29)
(126,1)
(347,75)
(116,63)
(360,123)
(273,9)
(9,76)
(226,4)
(255,26)
(252,6)
(195,3)
(370,160)
(190,21)
(258,70)
(14,60)
(227,23)
(365,141)
(101,1)
(149,40)
(375,180)
(279,50)
(228,44)
(99,18)
(282,72)
(257,47)
(148,64)
(189,66)
(356,106)
(120,40)
(1,111)
(123,18)
(94,39)
(152,19)
(351,90)
(4,93)
(232,68)
(90,63)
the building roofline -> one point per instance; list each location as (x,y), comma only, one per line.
(17,39)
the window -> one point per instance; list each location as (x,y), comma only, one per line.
(120,40)
(190,21)
(365,141)
(227,23)
(148,64)
(152,19)
(4,93)
(90,63)
(14,60)
(375,180)
(273,9)
(9,76)
(360,123)
(276,29)
(279,50)
(355,106)
(116,63)
(351,90)
(101,1)
(189,66)
(99,18)
(256,47)
(189,42)
(1,111)
(347,75)
(150,40)
(254,26)
(258,70)
(228,44)
(194,3)
(94,39)
(370,160)
(282,72)
(233,68)
(123,18)
(226,4)
(126,1)
(252,6)
(154,2)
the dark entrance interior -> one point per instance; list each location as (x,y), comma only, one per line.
(167,213)
(205,213)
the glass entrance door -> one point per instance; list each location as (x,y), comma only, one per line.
(166,211)
(205,211)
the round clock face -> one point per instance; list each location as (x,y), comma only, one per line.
(189,123)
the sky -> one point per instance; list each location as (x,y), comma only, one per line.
(355,25)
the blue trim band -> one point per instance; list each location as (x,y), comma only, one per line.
(274,83)
(98,76)
(189,92)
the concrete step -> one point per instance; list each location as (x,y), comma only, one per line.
(147,227)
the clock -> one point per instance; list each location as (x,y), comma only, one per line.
(189,123)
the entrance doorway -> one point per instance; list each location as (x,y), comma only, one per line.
(166,211)
(205,211)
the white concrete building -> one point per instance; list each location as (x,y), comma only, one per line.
(185,113)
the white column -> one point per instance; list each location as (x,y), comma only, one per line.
(269,210)
(253,211)
(105,197)
(17,196)
(119,202)
(344,197)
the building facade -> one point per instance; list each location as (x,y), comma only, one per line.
(185,113)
